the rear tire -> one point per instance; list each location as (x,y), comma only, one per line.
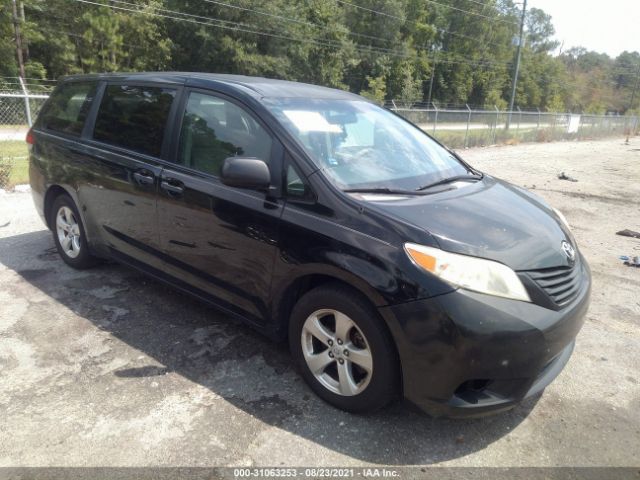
(69,235)
(342,348)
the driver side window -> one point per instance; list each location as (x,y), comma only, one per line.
(214,129)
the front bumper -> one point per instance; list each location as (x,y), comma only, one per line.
(470,354)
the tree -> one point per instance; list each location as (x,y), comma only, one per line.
(384,49)
(540,31)
(376,89)
(8,62)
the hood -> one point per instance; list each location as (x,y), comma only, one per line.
(489,219)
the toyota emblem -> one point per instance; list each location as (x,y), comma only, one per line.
(569,251)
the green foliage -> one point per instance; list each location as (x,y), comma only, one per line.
(8,62)
(408,85)
(383,49)
(376,90)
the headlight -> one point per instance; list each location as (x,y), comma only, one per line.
(562,218)
(472,273)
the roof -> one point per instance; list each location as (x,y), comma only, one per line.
(259,86)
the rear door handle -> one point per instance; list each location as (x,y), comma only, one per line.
(172,186)
(143,177)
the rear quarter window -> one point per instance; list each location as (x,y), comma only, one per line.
(134,117)
(67,109)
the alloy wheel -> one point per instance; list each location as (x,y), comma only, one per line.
(337,352)
(68,231)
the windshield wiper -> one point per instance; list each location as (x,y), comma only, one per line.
(386,191)
(451,180)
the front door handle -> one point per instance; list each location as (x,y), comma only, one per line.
(172,186)
(143,177)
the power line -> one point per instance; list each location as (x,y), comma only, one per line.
(250,29)
(208,23)
(302,22)
(236,27)
(478,63)
(174,12)
(224,24)
(419,48)
(370,49)
(492,19)
(290,19)
(246,9)
(377,12)
(441,30)
(81,37)
(325,42)
(479,3)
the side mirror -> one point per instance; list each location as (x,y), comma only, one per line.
(246,173)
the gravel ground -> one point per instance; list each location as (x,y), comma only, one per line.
(108,368)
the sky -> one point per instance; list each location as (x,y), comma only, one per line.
(609,26)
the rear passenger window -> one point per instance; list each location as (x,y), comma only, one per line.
(134,117)
(67,108)
(214,129)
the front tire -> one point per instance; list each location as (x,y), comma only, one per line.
(69,235)
(343,349)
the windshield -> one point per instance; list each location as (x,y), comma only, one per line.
(362,146)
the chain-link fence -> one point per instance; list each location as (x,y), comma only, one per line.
(465,127)
(455,127)
(17,112)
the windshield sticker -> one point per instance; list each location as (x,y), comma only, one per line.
(306,121)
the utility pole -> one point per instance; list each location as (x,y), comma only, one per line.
(635,87)
(16,24)
(433,74)
(517,67)
(24,21)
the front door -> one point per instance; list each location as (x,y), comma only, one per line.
(221,240)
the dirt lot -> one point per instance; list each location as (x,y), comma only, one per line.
(108,368)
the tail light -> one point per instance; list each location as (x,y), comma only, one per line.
(30,138)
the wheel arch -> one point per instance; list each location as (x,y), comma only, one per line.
(287,295)
(53,192)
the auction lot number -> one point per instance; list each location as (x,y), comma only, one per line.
(313,472)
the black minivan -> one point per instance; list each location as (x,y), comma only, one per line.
(393,267)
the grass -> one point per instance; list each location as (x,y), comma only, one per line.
(477,138)
(13,148)
(14,165)
(513,136)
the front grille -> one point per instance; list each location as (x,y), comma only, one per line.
(562,284)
